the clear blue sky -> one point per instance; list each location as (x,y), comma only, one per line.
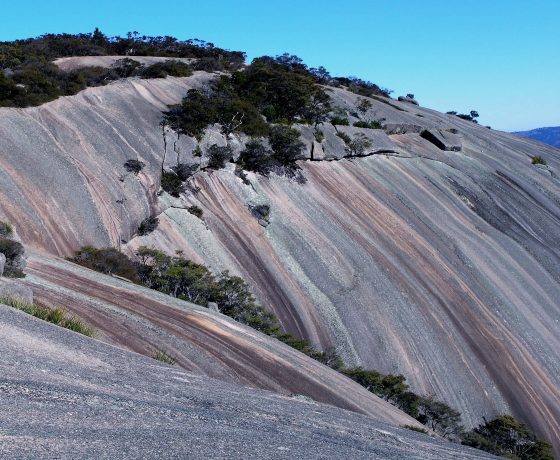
(500,57)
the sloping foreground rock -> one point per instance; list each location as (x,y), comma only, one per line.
(67,397)
(201,341)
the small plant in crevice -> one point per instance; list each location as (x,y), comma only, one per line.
(163,356)
(56,316)
(195,211)
(319,135)
(148,225)
(6,229)
(134,166)
(359,144)
(538,160)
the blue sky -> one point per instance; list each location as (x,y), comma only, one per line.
(500,57)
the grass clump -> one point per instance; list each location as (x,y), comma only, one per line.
(340,121)
(538,160)
(163,356)
(56,316)
(345,137)
(415,428)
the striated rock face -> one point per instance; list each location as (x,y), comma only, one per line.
(85,399)
(441,265)
(202,341)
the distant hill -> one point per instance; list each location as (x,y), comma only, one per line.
(550,136)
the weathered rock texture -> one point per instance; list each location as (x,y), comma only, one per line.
(67,397)
(443,266)
(143,320)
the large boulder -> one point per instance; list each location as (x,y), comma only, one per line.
(407,99)
(379,141)
(444,140)
(13,254)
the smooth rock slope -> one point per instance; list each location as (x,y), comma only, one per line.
(68,397)
(442,265)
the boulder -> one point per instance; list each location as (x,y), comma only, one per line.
(317,152)
(14,289)
(307,136)
(444,140)
(13,253)
(409,100)
(2,263)
(333,146)
(213,306)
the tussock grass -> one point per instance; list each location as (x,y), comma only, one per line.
(56,316)
(415,428)
(163,356)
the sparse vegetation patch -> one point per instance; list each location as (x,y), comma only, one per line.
(56,316)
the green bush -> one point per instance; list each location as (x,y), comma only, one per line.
(256,157)
(219,156)
(222,105)
(368,124)
(341,121)
(166,68)
(362,87)
(278,92)
(172,184)
(134,166)
(30,61)
(148,225)
(538,160)
(53,315)
(507,437)
(359,144)
(106,260)
(286,144)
